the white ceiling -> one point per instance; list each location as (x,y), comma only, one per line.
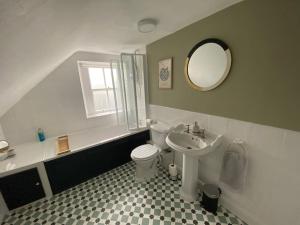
(37,35)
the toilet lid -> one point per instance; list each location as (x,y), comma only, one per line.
(144,152)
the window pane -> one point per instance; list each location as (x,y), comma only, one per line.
(96,78)
(108,79)
(100,100)
(116,78)
(111,99)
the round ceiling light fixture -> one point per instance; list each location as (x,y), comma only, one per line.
(147,25)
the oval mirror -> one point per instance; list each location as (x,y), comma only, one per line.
(3,145)
(207,64)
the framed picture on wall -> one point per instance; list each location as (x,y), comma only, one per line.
(165,73)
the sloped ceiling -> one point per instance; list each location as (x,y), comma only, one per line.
(37,35)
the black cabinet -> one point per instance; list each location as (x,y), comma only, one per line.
(66,171)
(70,170)
(21,188)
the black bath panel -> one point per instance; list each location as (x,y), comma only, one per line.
(21,188)
(72,169)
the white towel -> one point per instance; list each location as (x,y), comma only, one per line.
(234,167)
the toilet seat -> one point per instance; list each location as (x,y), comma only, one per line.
(144,152)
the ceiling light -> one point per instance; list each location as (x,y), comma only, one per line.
(147,25)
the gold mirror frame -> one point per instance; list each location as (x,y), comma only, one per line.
(226,72)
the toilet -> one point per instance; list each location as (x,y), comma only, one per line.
(146,156)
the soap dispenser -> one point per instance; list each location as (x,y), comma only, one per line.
(196,128)
(41,135)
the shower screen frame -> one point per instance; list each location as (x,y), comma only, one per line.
(141,73)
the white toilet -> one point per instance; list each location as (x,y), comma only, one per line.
(146,156)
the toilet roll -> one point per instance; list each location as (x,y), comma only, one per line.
(172,170)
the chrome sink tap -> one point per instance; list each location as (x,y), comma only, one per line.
(187,128)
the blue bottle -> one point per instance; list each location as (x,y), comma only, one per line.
(41,135)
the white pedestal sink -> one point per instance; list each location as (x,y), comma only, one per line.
(192,147)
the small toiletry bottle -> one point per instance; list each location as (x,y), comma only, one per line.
(41,135)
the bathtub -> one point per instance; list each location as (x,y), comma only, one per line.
(92,152)
(30,154)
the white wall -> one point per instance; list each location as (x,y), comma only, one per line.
(273,181)
(2,137)
(55,104)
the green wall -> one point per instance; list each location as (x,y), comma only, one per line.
(263,85)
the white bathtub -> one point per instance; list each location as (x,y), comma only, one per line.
(30,154)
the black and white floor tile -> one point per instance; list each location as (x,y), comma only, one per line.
(115,198)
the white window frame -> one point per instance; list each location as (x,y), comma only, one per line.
(87,90)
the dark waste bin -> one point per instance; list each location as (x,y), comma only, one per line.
(210,198)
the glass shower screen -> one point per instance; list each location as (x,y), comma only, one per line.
(133,75)
(118,90)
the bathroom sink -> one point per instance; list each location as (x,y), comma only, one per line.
(188,143)
(192,147)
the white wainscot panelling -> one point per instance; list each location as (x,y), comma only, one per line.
(267,140)
(218,124)
(176,116)
(291,151)
(272,184)
(238,129)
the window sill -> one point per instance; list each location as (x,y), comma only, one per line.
(100,115)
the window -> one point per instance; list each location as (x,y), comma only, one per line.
(100,87)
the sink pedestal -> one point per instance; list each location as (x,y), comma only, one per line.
(189,190)
(192,147)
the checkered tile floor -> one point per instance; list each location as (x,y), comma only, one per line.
(115,198)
